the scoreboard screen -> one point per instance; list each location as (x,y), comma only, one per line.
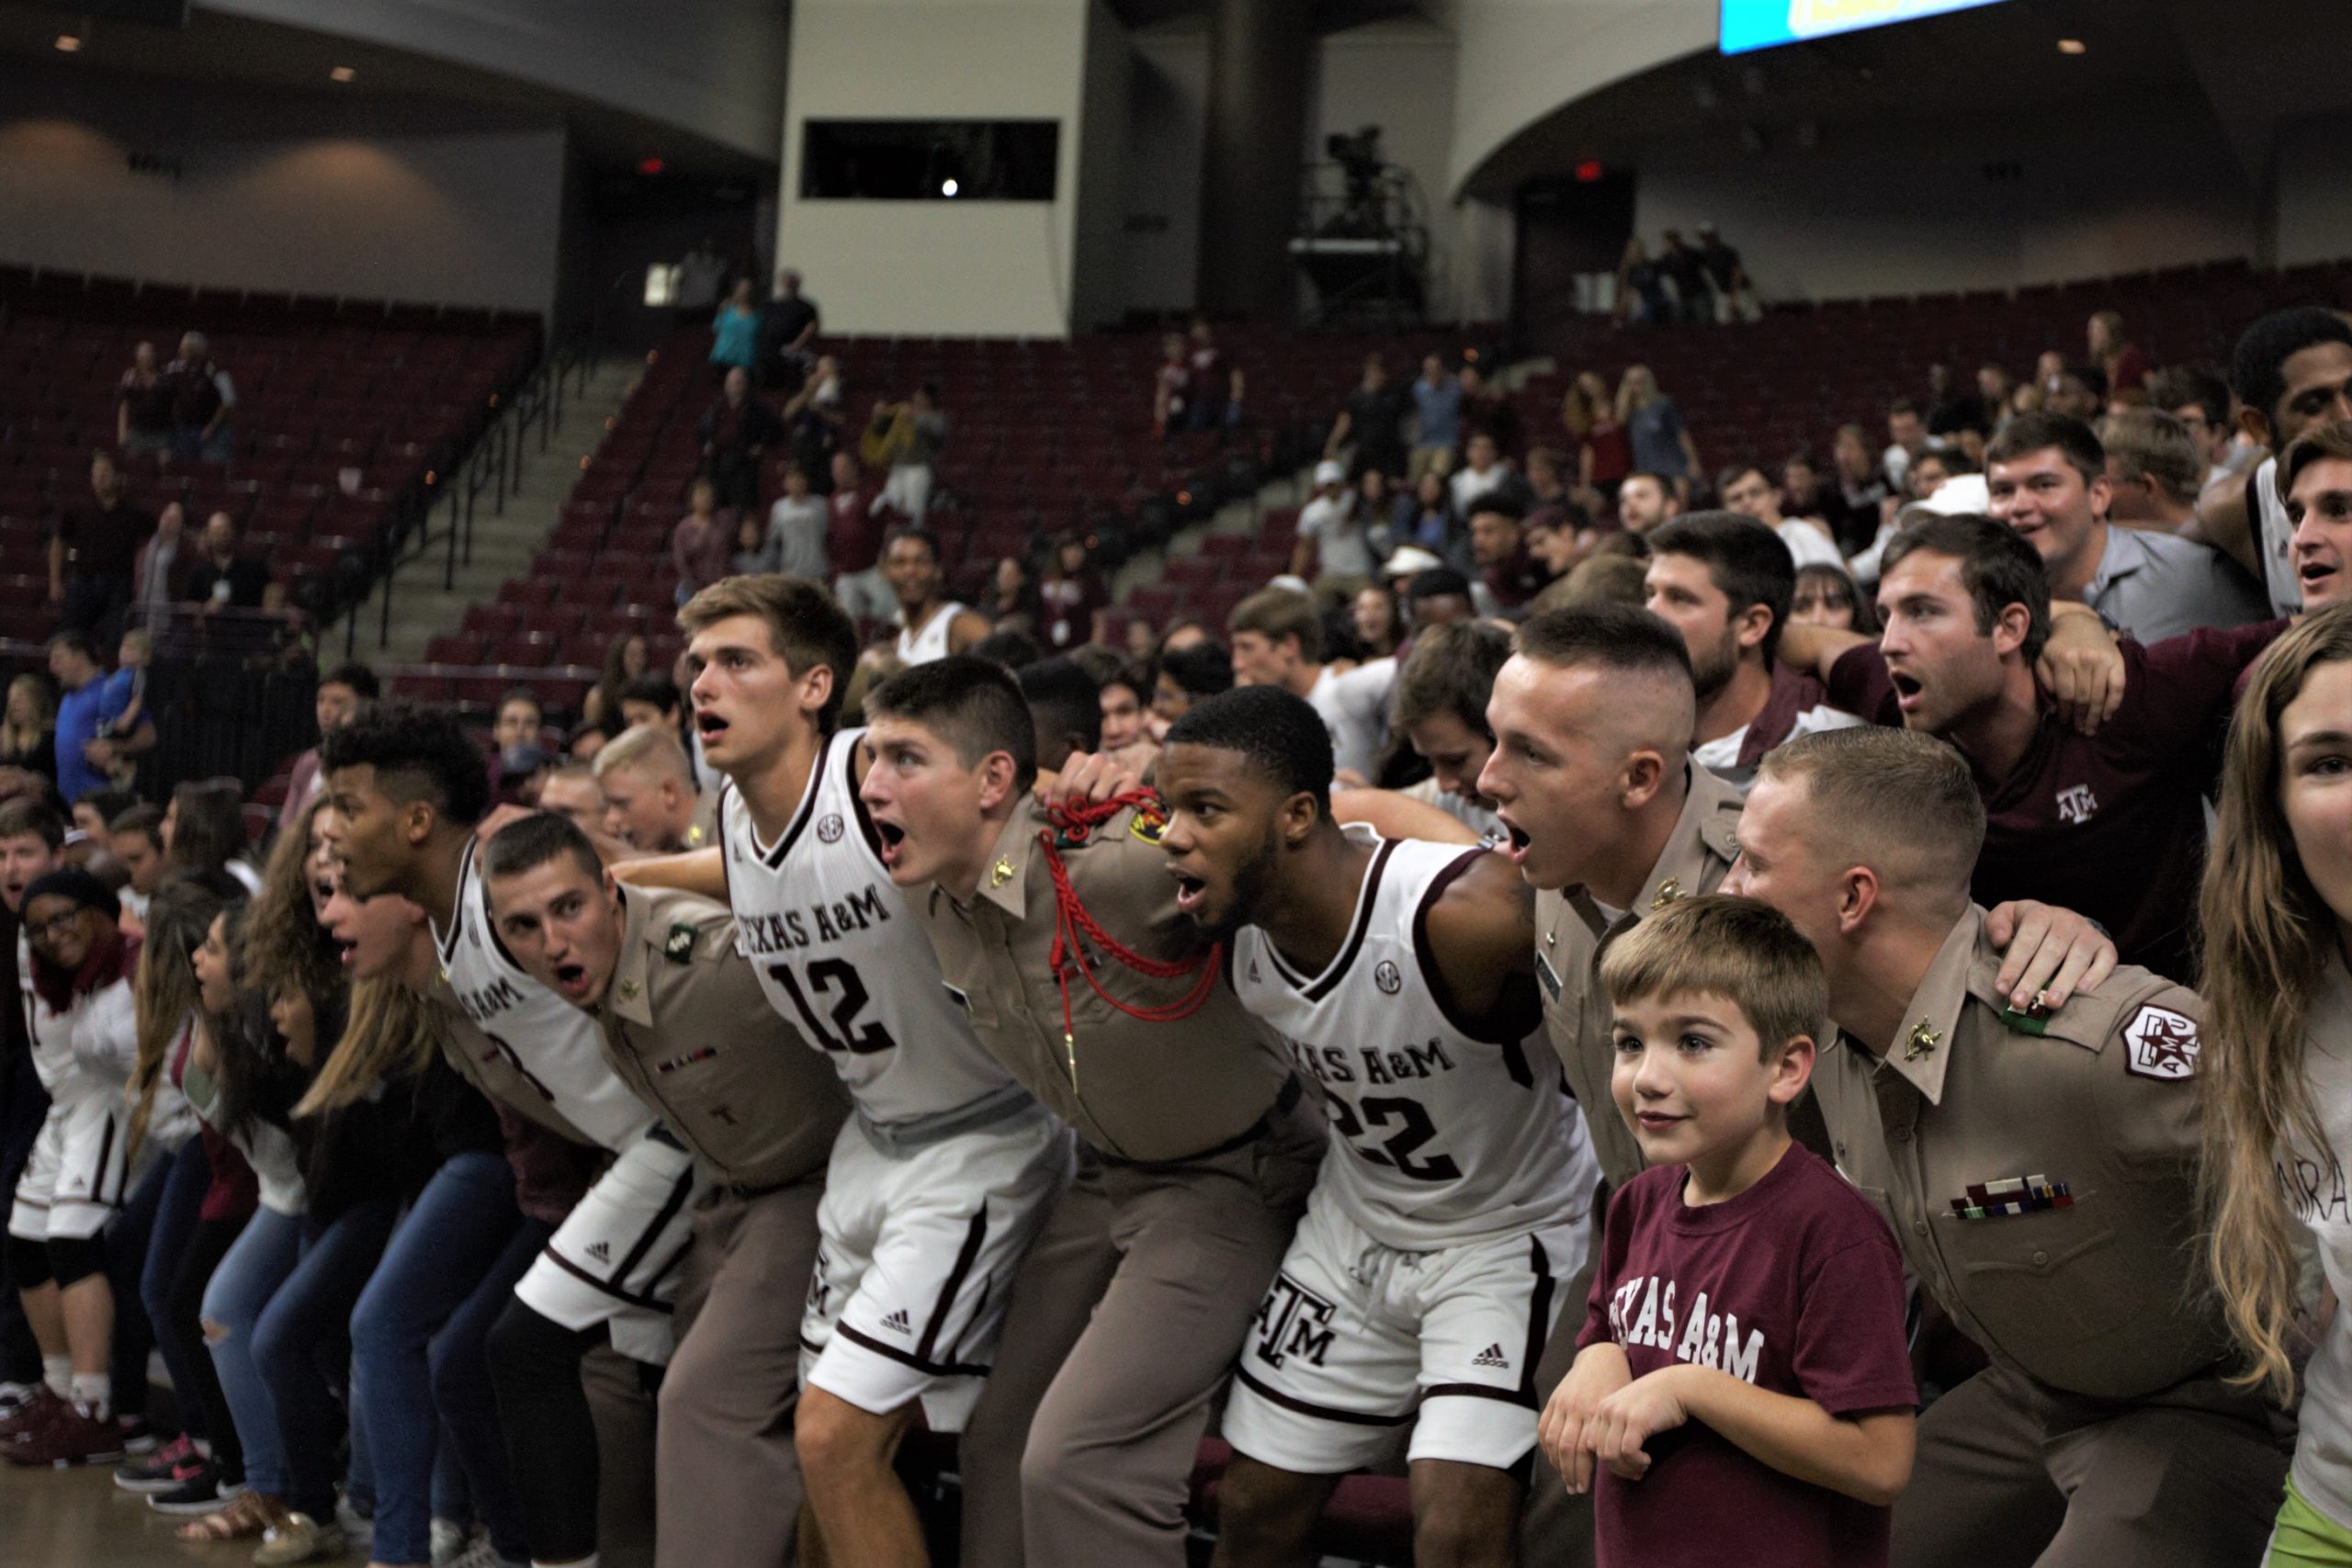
(1760,24)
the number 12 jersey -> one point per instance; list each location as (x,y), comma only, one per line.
(839,956)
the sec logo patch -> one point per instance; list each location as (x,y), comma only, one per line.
(1387,979)
(829,830)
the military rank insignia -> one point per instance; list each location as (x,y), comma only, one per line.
(678,947)
(2018,1195)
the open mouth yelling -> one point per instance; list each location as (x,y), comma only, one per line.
(2316,575)
(571,980)
(1190,890)
(1515,842)
(894,842)
(709,724)
(1907,688)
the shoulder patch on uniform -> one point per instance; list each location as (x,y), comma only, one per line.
(1146,826)
(678,947)
(2164,1043)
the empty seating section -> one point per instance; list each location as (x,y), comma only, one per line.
(1764,391)
(343,409)
(1048,437)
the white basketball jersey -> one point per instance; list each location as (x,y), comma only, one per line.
(2274,539)
(103,1022)
(545,1038)
(921,645)
(1439,1138)
(841,958)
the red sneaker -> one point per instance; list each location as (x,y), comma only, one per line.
(32,1415)
(73,1437)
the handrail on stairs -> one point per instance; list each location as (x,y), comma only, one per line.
(494,463)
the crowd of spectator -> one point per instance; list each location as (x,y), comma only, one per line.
(1684,283)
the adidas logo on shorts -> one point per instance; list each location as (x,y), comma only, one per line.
(897,1322)
(1492,1355)
(601,1251)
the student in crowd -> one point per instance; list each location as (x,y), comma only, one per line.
(1446,1220)
(436,1150)
(1129,1310)
(82,1029)
(204,832)
(205,1466)
(2106,1429)
(2277,1060)
(683,1022)
(1745,1362)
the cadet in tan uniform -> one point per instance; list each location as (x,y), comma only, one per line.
(651,802)
(687,1026)
(1059,934)
(1609,819)
(2039,1168)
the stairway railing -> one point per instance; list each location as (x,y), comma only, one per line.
(494,463)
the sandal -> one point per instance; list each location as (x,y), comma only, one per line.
(248,1515)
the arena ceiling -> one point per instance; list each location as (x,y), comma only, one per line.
(219,49)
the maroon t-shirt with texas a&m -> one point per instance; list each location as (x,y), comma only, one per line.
(1793,1285)
(2112,825)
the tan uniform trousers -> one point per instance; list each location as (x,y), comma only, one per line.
(724,1461)
(2009,1474)
(1125,1320)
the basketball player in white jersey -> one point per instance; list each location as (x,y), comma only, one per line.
(1455,1200)
(930,625)
(408,788)
(945,1170)
(2292,369)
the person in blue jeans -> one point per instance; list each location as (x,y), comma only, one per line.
(150,1238)
(409,1342)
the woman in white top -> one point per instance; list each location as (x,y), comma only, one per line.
(2277,1061)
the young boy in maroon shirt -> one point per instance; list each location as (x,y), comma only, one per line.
(1743,1390)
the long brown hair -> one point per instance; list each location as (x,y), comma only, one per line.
(2269,938)
(284,947)
(177,918)
(391,1034)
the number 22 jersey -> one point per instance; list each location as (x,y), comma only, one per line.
(838,953)
(1442,1135)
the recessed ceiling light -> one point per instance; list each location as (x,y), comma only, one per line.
(343,74)
(2073,46)
(68,44)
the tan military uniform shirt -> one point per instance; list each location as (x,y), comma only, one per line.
(2041,1177)
(1138,1090)
(688,1028)
(1572,932)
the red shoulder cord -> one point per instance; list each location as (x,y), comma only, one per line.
(1073,820)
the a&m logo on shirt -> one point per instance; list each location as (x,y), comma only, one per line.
(2077,805)
(2164,1043)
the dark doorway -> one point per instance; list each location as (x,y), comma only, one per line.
(1572,233)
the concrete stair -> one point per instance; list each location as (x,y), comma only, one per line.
(1245,517)
(503,543)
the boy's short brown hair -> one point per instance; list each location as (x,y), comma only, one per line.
(1742,951)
